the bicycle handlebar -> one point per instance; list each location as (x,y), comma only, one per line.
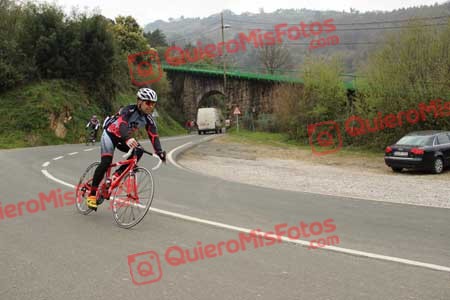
(149,153)
(142,148)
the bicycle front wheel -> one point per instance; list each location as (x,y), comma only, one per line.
(133,197)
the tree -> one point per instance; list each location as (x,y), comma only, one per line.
(12,67)
(156,38)
(42,40)
(98,57)
(129,35)
(274,58)
(321,98)
(412,67)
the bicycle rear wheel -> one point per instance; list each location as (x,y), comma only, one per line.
(84,189)
(133,197)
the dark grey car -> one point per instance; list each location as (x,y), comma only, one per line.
(421,150)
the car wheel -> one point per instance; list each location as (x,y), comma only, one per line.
(397,170)
(199,132)
(438,165)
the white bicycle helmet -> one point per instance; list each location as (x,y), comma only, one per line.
(146,94)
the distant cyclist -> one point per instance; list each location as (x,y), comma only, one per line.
(118,133)
(94,125)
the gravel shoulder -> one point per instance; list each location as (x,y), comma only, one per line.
(298,170)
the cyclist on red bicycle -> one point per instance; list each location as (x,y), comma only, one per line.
(117,133)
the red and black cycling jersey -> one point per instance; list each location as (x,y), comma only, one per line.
(129,120)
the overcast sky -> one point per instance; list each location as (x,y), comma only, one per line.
(146,11)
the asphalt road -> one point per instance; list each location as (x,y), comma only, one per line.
(60,254)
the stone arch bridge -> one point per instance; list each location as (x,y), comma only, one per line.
(248,91)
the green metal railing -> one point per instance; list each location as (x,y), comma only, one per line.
(233,73)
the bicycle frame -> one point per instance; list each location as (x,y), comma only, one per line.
(132,163)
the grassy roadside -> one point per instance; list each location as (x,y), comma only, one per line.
(281,140)
(55,112)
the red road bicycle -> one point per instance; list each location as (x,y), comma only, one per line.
(132,192)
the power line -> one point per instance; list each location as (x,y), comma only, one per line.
(394,21)
(340,43)
(337,29)
(353,29)
(195,33)
(351,24)
(189,36)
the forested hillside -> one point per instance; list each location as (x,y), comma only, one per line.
(56,70)
(397,60)
(359,33)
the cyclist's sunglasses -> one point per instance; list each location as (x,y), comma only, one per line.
(149,103)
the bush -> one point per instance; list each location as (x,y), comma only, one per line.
(266,122)
(412,67)
(321,98)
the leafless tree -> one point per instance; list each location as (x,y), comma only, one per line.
(274,57)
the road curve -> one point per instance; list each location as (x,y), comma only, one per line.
(58,254)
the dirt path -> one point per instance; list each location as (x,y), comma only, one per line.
(299,170)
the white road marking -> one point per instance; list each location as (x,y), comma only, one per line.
(127,203)
(50,176)
(45,165)
(175,138)
(284,239)
(73,153)
(170,155)
(307,243)
(89,149)
(159,163)
(59,157)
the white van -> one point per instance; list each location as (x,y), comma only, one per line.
(209,119)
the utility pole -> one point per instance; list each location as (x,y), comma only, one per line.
(223,51)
